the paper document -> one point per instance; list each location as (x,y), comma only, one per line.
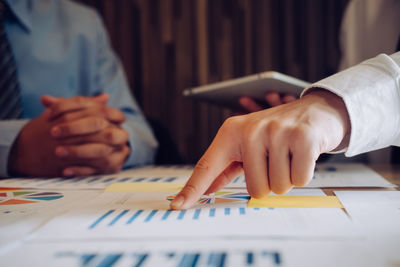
(24,210)
(134,215)
(198,253)
(377,212)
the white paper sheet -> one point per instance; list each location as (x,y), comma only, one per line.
(377,212)
(210,253)
(17,221)
(133,215)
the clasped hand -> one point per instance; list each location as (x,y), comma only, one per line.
(73,137)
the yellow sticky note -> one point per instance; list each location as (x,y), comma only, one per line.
(144,187)
(296,202)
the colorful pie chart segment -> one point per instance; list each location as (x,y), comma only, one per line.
(221,197)
(15,196)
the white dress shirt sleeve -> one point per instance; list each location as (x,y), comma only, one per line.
(371,93)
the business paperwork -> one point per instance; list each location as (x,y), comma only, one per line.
(124,220)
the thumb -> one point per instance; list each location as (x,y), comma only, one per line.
(48,100)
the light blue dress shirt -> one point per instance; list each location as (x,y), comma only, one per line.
(62,49)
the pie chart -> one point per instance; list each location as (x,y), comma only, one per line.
(17,196)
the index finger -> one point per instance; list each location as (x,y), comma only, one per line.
(217,157)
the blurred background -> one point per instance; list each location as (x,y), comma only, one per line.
(168,45)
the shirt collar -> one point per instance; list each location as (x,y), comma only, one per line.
(22,11)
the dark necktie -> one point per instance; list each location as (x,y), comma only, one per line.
(10,95)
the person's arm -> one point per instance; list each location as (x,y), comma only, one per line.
(277,148)
(111,79)
(371,93)
(8,134)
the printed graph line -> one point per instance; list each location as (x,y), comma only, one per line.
(150,216)
(141,217)
(134,216)
(181,214)
(196,214)
(100,219)
(177,258)
(119,216)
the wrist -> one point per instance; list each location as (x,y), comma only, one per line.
(337,119)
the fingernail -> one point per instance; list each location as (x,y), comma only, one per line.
(68,172)
(177,203)
(56,131)
(61,152)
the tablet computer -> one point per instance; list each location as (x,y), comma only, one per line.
(227,93)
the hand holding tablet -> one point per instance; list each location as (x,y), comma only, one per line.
(256,87)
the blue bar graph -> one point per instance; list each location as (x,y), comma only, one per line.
(123,180)
(242,211)
(276,256)
(216,259)
(171,179)
(150,216)
(178,258)
(189,260)
(87,258)
(212,212)
(108,180)
(227,211)
(109,260)
(141,259)
(250,258)
(100,219)
(119,216)
(181,214)
(93,180)
(78,179)
(134,216)
(166,214)
(196,214)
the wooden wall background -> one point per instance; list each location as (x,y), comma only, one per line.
(169,45)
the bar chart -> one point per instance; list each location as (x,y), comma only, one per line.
(177,258)
(128,217)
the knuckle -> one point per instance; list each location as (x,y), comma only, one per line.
(98,123)
(112,136)
(252,131)
(104,150)
(202,165)
(190,190)
(229,124)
